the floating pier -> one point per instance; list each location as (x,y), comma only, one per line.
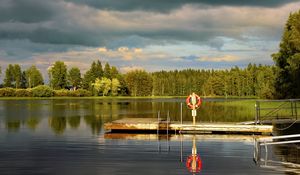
(152,125)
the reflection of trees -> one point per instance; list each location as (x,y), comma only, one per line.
(95,122)
(32,123)
(58,124)
(288,153)
(13,126)
(74,121)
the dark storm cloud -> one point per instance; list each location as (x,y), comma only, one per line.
(27,11)
(167,5)
(53,22)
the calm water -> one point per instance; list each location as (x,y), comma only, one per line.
(67,137)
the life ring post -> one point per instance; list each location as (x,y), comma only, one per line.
(193,102)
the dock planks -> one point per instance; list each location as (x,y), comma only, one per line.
(140,125)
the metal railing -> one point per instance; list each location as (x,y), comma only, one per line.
(265,112)
(276,140)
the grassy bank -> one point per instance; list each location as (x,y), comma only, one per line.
(268,109)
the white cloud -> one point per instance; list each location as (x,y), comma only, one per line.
(126,69)
(225,58)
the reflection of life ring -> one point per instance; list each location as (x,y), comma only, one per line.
(189,162)
(190,105)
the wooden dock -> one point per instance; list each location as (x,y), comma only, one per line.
(152,125)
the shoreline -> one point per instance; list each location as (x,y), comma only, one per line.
(124,97)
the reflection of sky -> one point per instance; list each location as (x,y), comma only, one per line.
(77,152)
(81,151)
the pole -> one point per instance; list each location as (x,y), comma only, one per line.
(181,113)
(256,114)
(292,107)
(181,145)
(194,120)
(296,110)
(158,142)
(158,114)
(168,124)
(168,120)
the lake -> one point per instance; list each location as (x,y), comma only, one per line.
(65,136)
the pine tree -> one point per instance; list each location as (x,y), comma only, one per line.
(287,60)
(74,77)
(58,75)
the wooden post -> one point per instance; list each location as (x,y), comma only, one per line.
(158,142)
(158,115)
(168,124)
(168,120)
(292,108)
(296,110)
(257,116)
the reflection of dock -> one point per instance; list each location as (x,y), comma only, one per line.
(185,137)
(140,125)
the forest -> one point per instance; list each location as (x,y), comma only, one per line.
(108,81)
(280,80)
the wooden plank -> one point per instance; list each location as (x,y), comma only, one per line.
(151,124)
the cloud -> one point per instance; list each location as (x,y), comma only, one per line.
(168,5)
(155,34)
(126,69)
(28,11)
(73,24)
(124,53)
(225,58)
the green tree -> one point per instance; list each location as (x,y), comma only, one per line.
(139,83)
(102,85)
(9,76)
(58,74)
(33,77)
(114,73)
(74,77)
(96,71)
(115,86)
(13,76)
(287,59)
(17,73)
(107,71)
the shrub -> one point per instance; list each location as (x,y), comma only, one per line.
(23,93)
(61,93)
(68,93)
(42,91)
(82,93)
(7,92)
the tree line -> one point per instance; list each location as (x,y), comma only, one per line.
(255,80)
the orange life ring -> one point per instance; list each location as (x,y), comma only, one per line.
(198,161)
(190,105)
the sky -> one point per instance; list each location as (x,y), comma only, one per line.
(142,34)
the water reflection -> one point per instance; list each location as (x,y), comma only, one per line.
(282,157)
(95,123)
(74,121)
(32,122)
(193,161)
(63,114)
(58,124)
